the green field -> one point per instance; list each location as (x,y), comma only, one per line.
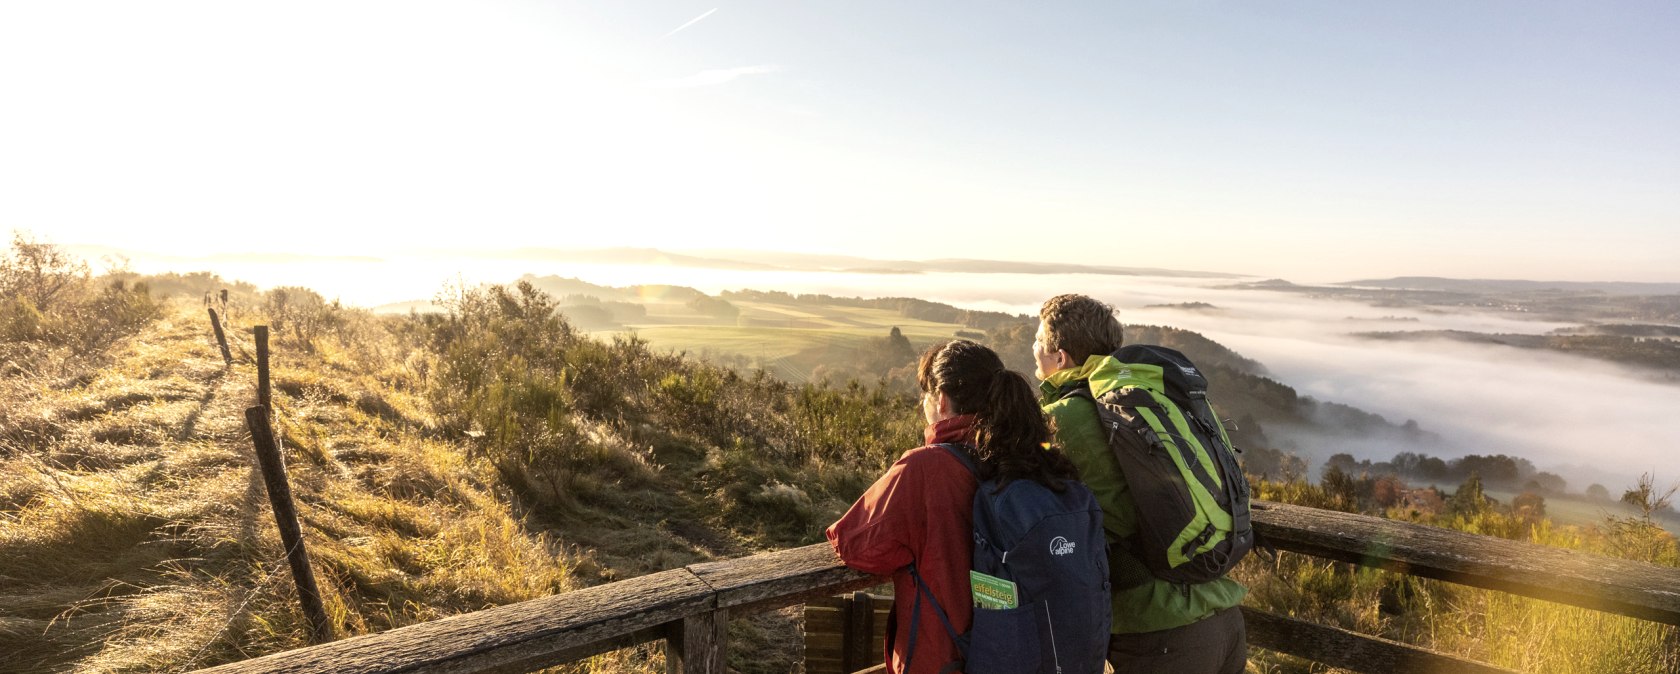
(791,342)
(1578,511)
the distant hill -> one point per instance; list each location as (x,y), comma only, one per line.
(1564,301)
(1510,286)
(1655,356)
(631,256)
(773,260)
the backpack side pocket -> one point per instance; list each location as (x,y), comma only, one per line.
(1005,641)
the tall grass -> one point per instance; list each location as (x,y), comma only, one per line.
(1494,627)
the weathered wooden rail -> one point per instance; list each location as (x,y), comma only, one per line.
(689,607)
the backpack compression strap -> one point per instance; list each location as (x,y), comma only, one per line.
(916,619)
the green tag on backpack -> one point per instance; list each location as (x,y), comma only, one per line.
(992,592)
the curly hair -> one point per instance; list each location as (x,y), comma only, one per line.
(1081,326)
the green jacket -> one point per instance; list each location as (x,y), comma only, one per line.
(1156,604)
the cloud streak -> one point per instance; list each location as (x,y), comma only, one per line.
(715,77)
(691,22)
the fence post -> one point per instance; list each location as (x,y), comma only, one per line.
(859,633)
(696,645)
(221,337)
(264,396)
(285,517)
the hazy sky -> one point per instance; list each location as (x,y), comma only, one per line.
(1309,140)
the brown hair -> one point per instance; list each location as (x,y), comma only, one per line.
(1011,434)
(1081,326)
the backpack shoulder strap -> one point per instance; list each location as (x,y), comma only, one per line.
(961,452)
(1078,388)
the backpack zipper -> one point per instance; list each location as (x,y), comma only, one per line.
(1048,622)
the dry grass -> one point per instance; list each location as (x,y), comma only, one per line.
(135,534)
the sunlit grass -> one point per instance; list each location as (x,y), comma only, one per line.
(446,464)
(1484,625)
(134,532)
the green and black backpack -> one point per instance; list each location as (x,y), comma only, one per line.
(1178,461)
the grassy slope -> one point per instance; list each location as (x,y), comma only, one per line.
(135,533)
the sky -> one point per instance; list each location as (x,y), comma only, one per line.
(1315,141)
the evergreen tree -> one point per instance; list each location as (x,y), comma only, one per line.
(1469,499)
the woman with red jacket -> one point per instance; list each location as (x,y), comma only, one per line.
(920,512)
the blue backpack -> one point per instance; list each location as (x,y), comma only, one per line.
(1051,546)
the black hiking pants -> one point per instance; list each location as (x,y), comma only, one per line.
(1217,644)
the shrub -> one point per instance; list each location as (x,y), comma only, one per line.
(41,273)
(52,299)
(301,311)
(512,372)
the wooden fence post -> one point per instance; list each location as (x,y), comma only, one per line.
(221,337)
(264,396)
(859,634)
(285,517)
(696,645)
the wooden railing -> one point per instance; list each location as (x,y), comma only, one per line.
(689,607)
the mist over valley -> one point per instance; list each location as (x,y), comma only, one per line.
(1423,352)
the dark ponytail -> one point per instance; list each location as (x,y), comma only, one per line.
(1011,435)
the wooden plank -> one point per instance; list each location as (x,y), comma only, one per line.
(1619,586)
(821,665)
(519,637)
(1351,650)
(772,580)
(824,620)
(832,644)
(696,644)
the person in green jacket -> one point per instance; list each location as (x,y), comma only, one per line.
(1159,626)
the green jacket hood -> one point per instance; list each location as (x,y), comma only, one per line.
(1104,374)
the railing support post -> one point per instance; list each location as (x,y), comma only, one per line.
(859,634)
(696,645)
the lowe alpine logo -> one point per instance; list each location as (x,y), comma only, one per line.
(1188,371)
(1061,546)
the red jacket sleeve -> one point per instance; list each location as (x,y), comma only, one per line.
(882,531)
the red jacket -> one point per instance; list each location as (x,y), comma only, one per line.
(921,511)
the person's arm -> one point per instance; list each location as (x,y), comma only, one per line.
(874,536)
